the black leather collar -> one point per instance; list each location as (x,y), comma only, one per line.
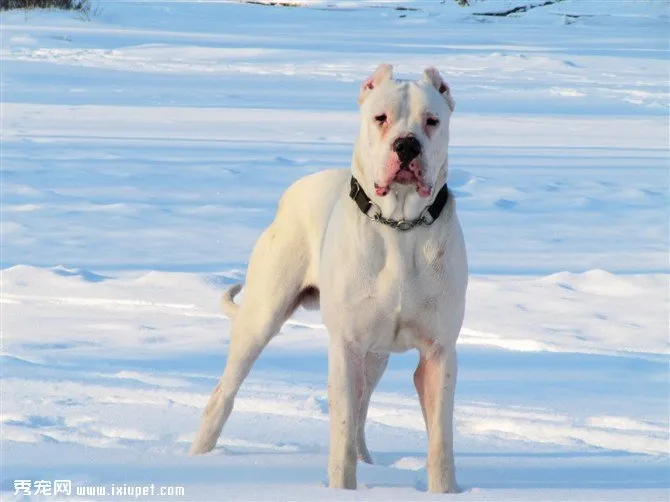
(427,216)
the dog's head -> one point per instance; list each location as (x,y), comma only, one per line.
(404,133)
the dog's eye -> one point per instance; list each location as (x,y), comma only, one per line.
(432,122)
(381,118)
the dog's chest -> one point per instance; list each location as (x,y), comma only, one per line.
(405,285)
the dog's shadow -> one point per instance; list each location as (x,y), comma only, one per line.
(525,470)
(522,470)
(394,469)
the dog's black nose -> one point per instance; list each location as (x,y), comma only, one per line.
(407,148)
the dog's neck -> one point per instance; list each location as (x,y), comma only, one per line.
(402,202)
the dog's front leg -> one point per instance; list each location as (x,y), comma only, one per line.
(345,384)
(435,380)
(374,366)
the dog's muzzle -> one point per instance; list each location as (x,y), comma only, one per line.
(407,148)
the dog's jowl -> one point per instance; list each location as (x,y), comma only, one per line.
(380,250)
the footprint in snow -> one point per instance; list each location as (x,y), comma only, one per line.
(85,275)
(285,161)
(460,177)
(506,203)
(37,422)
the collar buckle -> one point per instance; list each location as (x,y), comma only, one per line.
(425,217)
(376,214)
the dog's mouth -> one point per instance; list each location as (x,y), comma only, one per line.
(407,174)
(412,175)
(406,177)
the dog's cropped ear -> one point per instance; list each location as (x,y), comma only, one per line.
(382,73)
(432,76)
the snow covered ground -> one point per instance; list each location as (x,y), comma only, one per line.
(145,149)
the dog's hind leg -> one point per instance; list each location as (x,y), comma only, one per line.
(375,364)
(272,292)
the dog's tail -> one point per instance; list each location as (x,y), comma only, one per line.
(228,304)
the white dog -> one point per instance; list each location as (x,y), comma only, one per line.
(379,248)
